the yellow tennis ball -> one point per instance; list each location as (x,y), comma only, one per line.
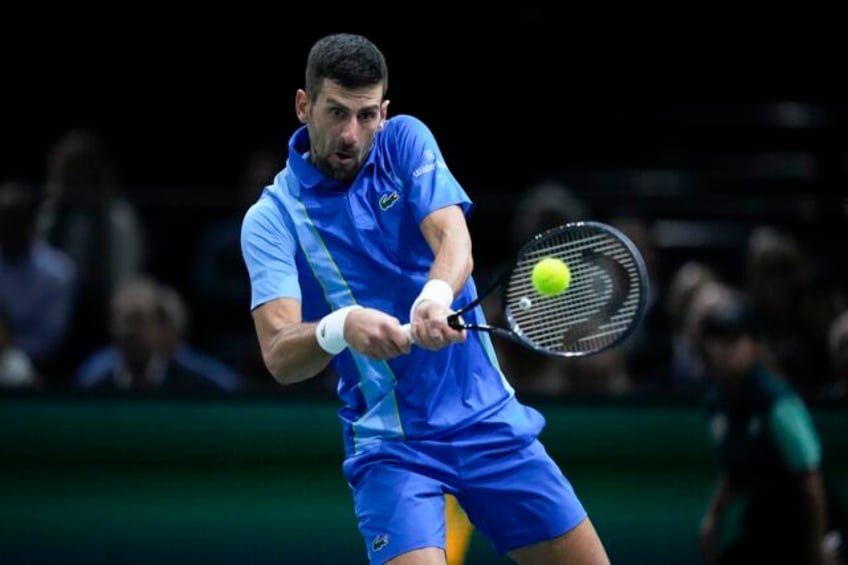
(551,276)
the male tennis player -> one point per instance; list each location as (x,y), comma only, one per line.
(363,230)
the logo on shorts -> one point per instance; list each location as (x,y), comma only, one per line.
(389,200)
(379,542)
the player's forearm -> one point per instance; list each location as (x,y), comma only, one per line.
(447,235)
(294,355)
(453,262)
(813,488)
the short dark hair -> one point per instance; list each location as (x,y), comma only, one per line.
(349,59)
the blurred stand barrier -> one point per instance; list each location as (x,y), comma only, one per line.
(249,480)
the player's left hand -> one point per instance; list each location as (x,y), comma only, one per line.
(430,329)
(375,334)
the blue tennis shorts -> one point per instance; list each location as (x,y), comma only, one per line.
(508,485)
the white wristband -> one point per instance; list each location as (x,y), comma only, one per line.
(330,330)
(436,290)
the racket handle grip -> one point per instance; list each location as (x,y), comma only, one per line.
(454,321)
(408,329)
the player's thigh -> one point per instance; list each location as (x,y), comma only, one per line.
(520,498)
(400,511)
(580,545)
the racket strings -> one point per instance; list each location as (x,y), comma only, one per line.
(591,314)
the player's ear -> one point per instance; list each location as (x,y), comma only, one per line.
(384,112)
(301,105)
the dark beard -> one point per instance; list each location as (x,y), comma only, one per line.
(343,175)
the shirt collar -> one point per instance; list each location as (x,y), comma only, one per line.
(307,174)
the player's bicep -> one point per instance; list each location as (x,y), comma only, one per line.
(445,224)
(273,316)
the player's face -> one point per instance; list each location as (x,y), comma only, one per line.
(342,124)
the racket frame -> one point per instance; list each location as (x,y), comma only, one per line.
(456,322)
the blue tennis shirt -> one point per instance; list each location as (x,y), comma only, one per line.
(312,239)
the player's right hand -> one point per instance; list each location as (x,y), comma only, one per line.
(429,327)
(376,334)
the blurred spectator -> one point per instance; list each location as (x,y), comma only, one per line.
(648,352)
(768,450)
(776,269)
(148,325)
(221,287)
(681,307)
(87,216)
(219,272)
(837,342)
(544,206)
(16,369)
(37,281)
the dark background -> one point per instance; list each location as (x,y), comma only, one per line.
(705,123)
(183,95)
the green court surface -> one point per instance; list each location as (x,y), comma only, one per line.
(157,480)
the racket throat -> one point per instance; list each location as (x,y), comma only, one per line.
(458,324)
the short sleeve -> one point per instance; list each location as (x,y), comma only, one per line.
(795,435)
(429,183)
(268,248)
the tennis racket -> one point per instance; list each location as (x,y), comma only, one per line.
(602,305)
